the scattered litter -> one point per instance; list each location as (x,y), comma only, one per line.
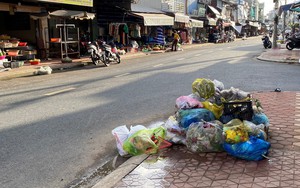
(44,70)
(277,90)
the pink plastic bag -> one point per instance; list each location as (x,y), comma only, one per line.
(187,102)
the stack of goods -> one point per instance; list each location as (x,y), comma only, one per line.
(159,38)
(214,119)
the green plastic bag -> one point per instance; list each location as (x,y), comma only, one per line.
(203,87)
(146,141)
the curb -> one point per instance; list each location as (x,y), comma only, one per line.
(117,175)
(278,61)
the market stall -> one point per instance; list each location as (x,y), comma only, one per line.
(14,52)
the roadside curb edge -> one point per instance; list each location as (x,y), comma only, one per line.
(117,175)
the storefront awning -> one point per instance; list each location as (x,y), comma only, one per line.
(81,15)
(181,18)
(155,19)
(253,24)
(238,28)
(284,8)
(215,11)
(196,23)
(212,21)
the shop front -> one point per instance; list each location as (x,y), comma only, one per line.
(182,25)
(150,29)
(69,33)
(197,31)
(18,37)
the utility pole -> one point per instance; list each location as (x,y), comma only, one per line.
(284,18)
(275,25)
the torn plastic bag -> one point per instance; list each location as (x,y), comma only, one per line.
(175,134)
(186,117)
(203,87)
(204,137)
(121,134)
(147,141)
(253,150)
(235,131)
(187,102)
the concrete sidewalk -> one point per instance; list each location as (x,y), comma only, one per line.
(281,55)
(274,55)
(178,167)
(55,64)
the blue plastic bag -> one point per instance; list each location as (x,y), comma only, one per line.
(190,116)
(260,118)
(251,150)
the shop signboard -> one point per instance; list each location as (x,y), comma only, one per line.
(201,10)
(88,3)
(207,2)
(173,6)
(234,2)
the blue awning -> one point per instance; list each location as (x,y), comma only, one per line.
(284,8)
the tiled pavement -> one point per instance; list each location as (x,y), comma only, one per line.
(178,167)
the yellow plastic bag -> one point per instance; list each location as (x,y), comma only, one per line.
(203,87)
(214,108)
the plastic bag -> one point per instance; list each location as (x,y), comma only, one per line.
(186,117)
(175,134)
(203,87)
(214,108)
(44,70)
(260,118)
(253,150)
(146,141)
(136,128)
(121,134)
(258,131)
(219,86)
(187,102)
(204,137)
(234,94)
(235,131)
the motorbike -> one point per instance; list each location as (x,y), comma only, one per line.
(292,43)
(266,42)
(111,53)
(96,54)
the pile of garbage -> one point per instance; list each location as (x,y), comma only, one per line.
(211,119)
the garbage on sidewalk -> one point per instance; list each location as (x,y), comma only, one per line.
(44,70)
(211,119)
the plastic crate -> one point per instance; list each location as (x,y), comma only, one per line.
(240,110)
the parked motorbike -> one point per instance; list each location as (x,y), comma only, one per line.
(266,42)
(111,54)
(292,43)
(96,54)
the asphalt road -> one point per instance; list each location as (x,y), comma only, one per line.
(56,129)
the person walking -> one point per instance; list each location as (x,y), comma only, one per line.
(176,39)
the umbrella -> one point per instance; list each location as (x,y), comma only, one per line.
(72,14)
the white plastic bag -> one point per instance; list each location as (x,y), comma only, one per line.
(121,134)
